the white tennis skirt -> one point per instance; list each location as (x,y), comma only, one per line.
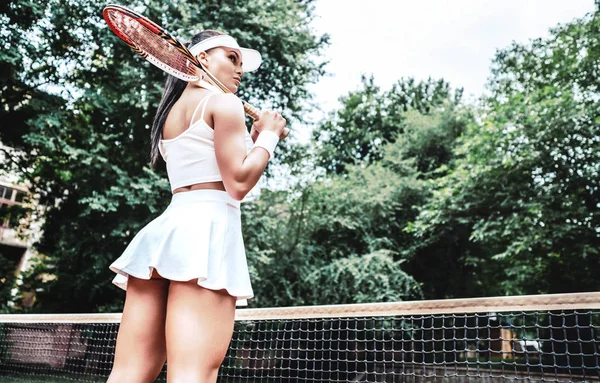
(198,237)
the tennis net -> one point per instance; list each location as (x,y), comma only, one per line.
(546,338)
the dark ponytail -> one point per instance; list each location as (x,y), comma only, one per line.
(174,87)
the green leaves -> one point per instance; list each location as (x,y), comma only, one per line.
(525,184)
(408,193)
(464,201)
(371,118)
(349,232)
(374,277)
(79,103)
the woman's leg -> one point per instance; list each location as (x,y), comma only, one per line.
(199,329)
(141,351)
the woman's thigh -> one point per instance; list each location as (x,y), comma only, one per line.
(199,328)
(141,348)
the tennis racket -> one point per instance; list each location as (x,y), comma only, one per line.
(162,49)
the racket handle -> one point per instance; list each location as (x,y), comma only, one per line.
(251,111)
(255,115)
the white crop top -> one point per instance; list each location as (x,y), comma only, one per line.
(190,156)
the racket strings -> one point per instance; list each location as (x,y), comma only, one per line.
(153,47)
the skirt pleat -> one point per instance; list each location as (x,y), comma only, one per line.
(198,237)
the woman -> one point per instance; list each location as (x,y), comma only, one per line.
(185,270)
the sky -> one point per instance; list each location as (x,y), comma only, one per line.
(453,39)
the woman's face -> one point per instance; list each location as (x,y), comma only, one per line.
(225,64)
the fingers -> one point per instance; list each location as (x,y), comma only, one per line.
(272,121)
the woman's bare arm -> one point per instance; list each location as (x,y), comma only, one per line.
(240,172)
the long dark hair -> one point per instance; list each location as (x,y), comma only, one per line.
(174,87)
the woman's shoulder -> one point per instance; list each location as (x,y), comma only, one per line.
(225,104)
(189,100)
(192,96)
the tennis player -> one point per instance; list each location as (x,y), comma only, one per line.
(186,270)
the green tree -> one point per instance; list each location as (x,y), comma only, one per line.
(348,232)
(522,200)
(320,246)
(83,104)
(371,118)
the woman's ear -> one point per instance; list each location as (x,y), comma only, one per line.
(203,58)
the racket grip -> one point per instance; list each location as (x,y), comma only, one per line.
(251,111)
(255,115)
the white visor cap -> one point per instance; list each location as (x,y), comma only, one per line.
(251,58)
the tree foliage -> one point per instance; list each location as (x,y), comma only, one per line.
(462,201)
(348,232)
(371,118)
(523,197)
(78,105)
(417,194)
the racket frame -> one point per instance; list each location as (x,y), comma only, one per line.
(161,32)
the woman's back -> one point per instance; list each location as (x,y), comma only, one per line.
(188,146)
(180,116)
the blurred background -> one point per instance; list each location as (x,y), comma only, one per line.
(438,149)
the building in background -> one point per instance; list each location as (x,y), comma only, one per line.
(11,245)
(16,236)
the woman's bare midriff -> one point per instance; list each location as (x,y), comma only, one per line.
(217,185)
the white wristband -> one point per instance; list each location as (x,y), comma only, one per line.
(268,141)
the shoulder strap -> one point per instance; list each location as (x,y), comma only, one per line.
(162,151)
(204,107)
(203,101)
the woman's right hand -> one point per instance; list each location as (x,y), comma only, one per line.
(271,121)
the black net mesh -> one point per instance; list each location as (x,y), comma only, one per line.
(544,346)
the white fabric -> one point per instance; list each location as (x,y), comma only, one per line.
(268,141)
(251,59)
(190,156)
(199,236)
